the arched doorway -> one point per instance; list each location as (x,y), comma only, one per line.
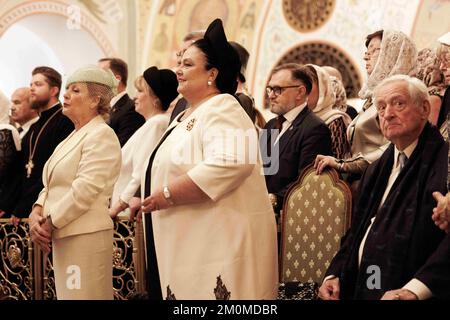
(44,33)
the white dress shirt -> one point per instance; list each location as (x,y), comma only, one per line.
(117,98)
(26,126)
(290,117)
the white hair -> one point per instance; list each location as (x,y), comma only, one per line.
(417,90)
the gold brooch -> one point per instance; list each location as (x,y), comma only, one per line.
(190,124)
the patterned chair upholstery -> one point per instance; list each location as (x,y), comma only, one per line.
(316,214)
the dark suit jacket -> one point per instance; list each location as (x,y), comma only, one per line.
(9,172)
(124,119)
(403,241)
(298,147)
(445,108)
(56,131)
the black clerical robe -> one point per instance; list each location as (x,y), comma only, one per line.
(403,241)
(55,131)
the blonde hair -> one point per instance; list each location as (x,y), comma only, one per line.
(142,85)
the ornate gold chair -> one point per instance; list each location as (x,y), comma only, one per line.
(316,214)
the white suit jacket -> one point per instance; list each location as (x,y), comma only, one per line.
(233,235)
(79,178)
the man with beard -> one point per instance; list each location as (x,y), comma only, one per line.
(43,136)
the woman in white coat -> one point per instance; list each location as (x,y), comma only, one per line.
(213,229)
(72,209)
(156,89)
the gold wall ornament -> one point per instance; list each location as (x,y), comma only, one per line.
(308,15)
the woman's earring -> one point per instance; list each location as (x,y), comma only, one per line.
(209,83)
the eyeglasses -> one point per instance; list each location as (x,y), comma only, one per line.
(397,105)
(372,52)
(277,90)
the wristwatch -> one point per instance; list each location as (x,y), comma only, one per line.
(168,196)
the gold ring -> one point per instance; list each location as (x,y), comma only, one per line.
(396,296)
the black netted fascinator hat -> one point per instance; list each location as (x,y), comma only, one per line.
(164,84)
(221,55)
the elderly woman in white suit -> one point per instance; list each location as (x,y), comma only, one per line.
(212,233)
(71,212)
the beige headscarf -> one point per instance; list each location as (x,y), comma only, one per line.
(341,95)
(428,71)
(327,99)
(4,120)
(398,55)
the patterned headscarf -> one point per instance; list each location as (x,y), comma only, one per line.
(327,99)
(428,71)
(398,55)
(339,92)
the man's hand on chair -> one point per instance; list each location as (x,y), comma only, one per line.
(329,290)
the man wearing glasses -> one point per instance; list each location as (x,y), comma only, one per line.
(290,141)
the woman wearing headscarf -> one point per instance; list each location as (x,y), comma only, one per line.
(388,53)
(443,53)
(156,89)
(72,209)
(321,101)
(441,213)
(9,152)
(211,234)
(428,71)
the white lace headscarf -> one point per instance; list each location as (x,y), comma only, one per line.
(4,120)
(398,55)
(428,71)
(339,92)
(327,98)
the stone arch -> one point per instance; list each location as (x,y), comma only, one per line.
(57,8)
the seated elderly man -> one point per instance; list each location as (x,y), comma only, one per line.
(393,250)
